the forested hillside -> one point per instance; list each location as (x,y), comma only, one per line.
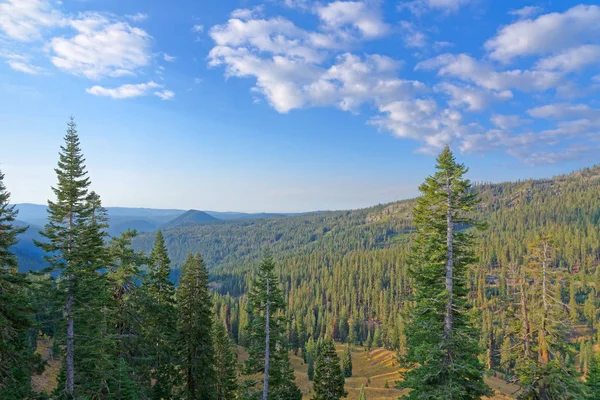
(465,281)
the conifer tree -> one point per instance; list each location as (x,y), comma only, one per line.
(442,354)
(362,395)
(123,311)
(196,351)
(16,354)
(73,247)
(329,377)
(544,369)
(160,320)
(266,339)
(225,363)
(347,361)
(311,367)
(592,381)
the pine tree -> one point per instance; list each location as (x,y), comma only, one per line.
(160,320)
(73,246)
(544,369)
(442,354)
(123,311)
(225,363)
(347,361)
(362,395)
(311,367)
(195,327)
(266,338)
(592,381)
(17,360)
(329,377)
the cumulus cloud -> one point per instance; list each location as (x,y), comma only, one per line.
(572,59)
(124,91)
(294,68)
(365,18)
(169,58)
(548,33)
(24,20)
(475,99)
(101,48)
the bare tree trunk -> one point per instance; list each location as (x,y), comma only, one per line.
(267,341)
(70,368)
(449,264)
(544,351)
(524,317)
(70,363)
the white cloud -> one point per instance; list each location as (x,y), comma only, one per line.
(468,69)
(293,68)
(277,36)
(572,59)
(124,91)
(25,20)
(198,28)
(25,67)
(475,99)
(564,110)
(421,6)
(101,48)
(169,58)
(248,13)
(508,121)
(527,11)
(546,34)
(421,120)
(301,4)
(165,94)
(412,36)
(366,18)
(139,17)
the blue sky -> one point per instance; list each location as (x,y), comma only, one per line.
(294,105)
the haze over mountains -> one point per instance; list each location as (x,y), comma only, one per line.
(231,238)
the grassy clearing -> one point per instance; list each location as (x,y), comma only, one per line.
(374,369)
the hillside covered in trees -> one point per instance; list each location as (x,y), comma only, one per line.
(464,282)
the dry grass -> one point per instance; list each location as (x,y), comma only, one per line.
(378,367)
(373,369)
(47,380)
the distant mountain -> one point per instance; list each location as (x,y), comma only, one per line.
(231,216)
(144,220)
(191,217)
(29,255)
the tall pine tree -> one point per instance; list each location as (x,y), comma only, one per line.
(544,369)
(160,320)
(196,351)
(73,247)
(442,343)
(266,339)
(16,353)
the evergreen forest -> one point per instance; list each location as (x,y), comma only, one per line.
(469,281)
